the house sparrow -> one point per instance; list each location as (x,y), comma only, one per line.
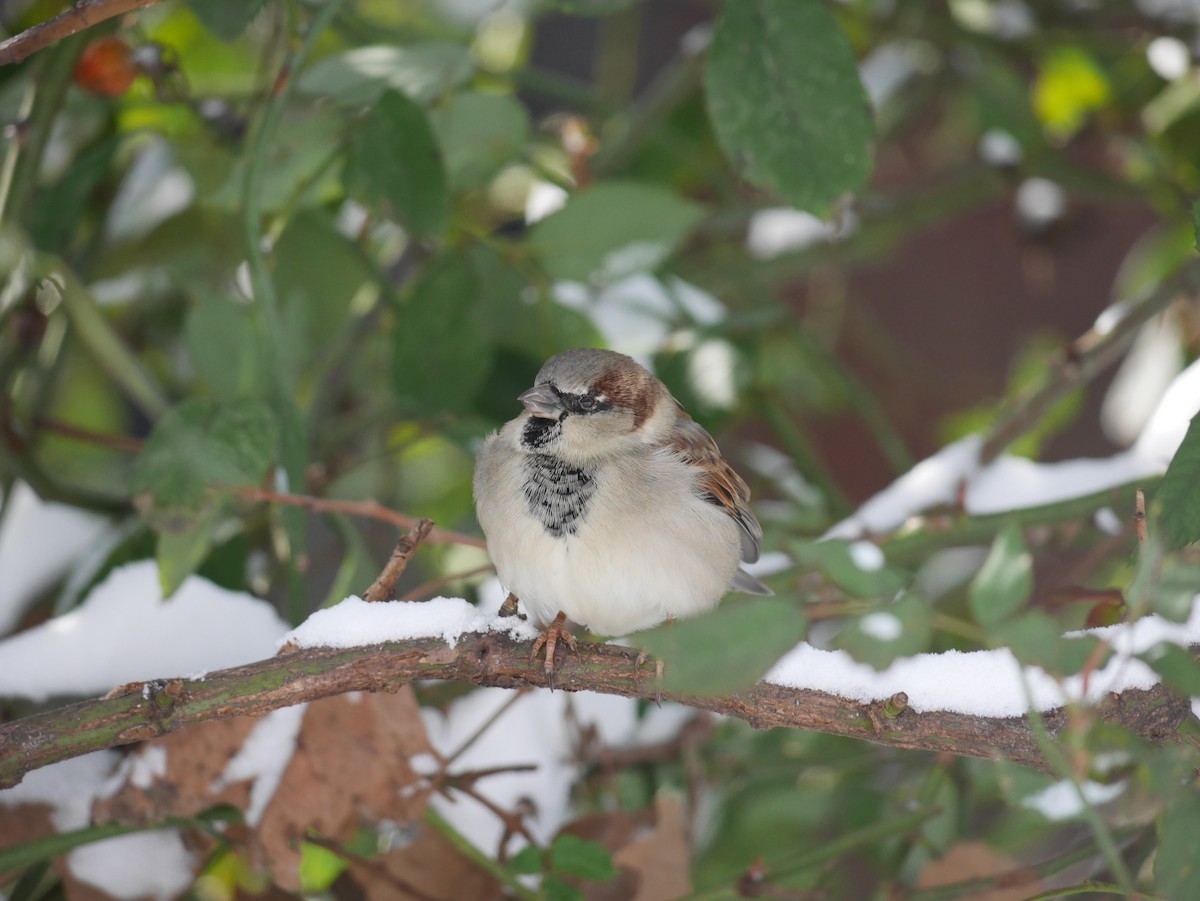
(606,504)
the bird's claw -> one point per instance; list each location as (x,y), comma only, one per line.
(550,637)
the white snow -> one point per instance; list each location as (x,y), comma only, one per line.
(1168,57)
(1153,363)
(538,729)
(882,625)
(143,864)
(37,541)
(998,147)
(355,622)
(867,556)
(1040,202)
(1107,521)
(67,788)
(263,757)
(1013,483)
(985,683)
(125,632)
(1062,800)
(781,230)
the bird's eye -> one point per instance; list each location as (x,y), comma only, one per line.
(587,403)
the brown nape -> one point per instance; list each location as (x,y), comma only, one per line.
(630,388)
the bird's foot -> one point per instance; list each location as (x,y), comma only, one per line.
(550,637)
(509,607)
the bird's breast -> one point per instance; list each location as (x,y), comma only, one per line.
(556,493)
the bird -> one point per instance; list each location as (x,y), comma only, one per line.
(605,505)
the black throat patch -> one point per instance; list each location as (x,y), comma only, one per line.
(557,494)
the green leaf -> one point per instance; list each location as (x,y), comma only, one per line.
(901,629)
(196,445)
(181,551)
(221,346)
(319,274)
(612,230)
(358,77)
(591,7)
(1005,580)
(575,856)
(442,313)
(786,101)
(394,158)
(479,133)
(836,561)
(528,861)
(1179,492)
(319,867)
(226,18)
(1196,223)
(1037,639)
(1173,593)
(1176,864)
(557,890)
(17,857)
(730,648)
(1177,667)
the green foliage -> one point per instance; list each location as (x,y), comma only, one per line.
(612,230)
(761,629)
(1005,580)
(399,298)
(807,133)
(394,159)
(1180,491)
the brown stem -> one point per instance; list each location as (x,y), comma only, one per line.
(1086,357)
(384,587)
(84,14)
(1139,517)
(369,509)
(143,710)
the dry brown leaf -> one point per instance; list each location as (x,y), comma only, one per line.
(976,860)
(649,848)
(430,869)
(350,768)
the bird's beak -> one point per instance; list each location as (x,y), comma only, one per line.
(541,400)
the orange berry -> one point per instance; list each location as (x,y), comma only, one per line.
(105,67)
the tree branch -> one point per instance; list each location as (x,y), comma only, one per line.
(83,14)
(141,711)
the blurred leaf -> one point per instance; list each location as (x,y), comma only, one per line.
(612,230)
(319,867)
(318,273)
(222,348)
(1177,667)
(200,444)
(441,353)
(786,101)
(557,890)
(527,861)
(1037,639)
(59,209)
(730,648)
(1196,224)
(479,133)
(1005,580)
(901,629)
(1069,86)
(1173,592)
(835,559)
(181,551)
(395,158)
(591,7)
(575,856)
(226,18)
(358,77)
(1176,865)
(17,857)
(1179,493)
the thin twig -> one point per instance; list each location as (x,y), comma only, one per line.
(487,724)
(84,14)
(1139,517)
(1083,359)
(111,440)
(368,509)
(384,587)
(426,588)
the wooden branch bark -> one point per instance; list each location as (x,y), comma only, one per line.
(140,711)
(83,14)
